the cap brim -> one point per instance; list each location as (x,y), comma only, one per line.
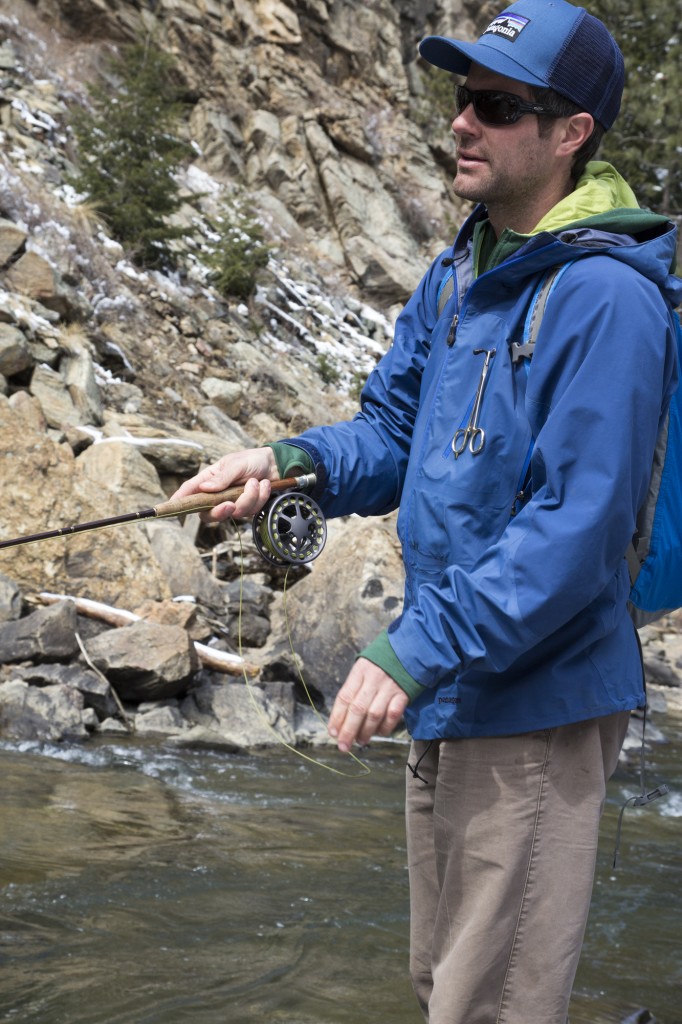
(457,57)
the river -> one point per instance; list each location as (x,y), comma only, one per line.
(144,885)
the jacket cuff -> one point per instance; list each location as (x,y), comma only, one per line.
(291,461)
(380,653)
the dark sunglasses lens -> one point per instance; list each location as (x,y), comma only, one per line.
(463,97)
(496,108)
(490,107)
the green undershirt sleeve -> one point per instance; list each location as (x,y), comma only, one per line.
(380,653)
(291,461)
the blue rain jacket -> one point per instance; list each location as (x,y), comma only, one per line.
(516,623)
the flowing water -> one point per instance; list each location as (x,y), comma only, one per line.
(143,885)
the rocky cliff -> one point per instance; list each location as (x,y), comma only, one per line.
(117,383)
(314,112)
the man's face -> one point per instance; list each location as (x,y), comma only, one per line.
(506,167)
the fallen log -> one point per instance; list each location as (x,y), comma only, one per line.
(219,661)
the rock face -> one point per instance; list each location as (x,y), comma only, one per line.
(311,105)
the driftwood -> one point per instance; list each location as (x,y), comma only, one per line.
(219,661)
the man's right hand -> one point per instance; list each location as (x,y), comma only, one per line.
(255,468)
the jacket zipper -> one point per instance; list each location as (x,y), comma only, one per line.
(452,334)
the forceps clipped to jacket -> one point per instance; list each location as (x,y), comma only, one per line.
(471,435)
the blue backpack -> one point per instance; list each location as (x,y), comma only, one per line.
(655,553)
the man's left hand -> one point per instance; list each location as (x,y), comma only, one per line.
(368,704)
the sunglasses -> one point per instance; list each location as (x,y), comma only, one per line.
(498,108)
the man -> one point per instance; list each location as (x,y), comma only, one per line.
(514,661)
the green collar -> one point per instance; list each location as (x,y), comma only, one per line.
(601,199)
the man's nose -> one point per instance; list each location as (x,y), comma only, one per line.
(466,123)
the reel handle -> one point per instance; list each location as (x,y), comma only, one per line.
(209,499)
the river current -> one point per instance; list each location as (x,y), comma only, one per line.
(146,885)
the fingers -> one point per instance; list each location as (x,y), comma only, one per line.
(256,493)
(255,468)
(368,704)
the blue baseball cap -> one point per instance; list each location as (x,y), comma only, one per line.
(546,43)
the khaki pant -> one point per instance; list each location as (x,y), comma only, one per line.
(502,841)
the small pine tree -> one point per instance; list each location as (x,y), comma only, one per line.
(238,255)
(129,153)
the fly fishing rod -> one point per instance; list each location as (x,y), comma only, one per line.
(289,529)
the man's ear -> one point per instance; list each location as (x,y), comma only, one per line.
(576,130)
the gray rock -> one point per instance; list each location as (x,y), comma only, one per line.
(252,629)
(171,455)
(51,714)
(183,567)
(90,720)
(159,721)
(96,692)
(199,737)
(34,276)
(145,661)
(78,373)
(227,395)
(241,715)
(252,593)
(120,467)
(15,356)
(659,670)
(113,727)
(48,387)
(217,422)
(10,599)
(47,634)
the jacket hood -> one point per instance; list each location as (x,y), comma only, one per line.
(600,192)
(600,215)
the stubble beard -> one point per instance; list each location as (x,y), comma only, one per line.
(477,189)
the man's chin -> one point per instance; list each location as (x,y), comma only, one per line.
(464,188)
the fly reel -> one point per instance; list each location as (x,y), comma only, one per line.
(290,529)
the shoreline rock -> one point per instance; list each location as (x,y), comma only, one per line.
(65,678)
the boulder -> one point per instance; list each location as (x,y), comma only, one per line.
(15,355)
(96,692)
(183,567)
(78,372)
(227,395)
(48,386)
(241,715)
(120,467)
(161,720)
(33,276)
(47,634)
(45,488)
(47,714)
(145,661)
(354,591)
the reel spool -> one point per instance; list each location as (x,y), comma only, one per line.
(290,529)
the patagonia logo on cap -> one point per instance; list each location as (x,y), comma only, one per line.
(507,25)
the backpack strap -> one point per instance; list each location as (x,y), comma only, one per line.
(447,287)
(535,314)
(524,350)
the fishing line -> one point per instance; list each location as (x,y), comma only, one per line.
(366,770)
